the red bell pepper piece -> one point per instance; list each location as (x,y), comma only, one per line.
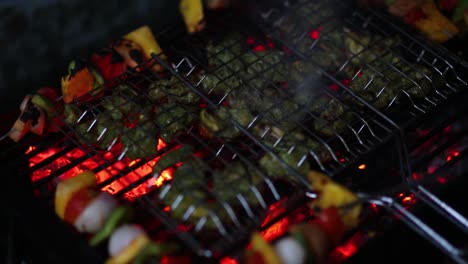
(414,15)
(329,220)
(109,64)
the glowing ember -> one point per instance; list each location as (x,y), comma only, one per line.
(259,48)
(347,250)
(315,34)
(408,200)
(93,163)
(161,144)
(276,230)
(228,260)
(30,148)
(250,41)
(281,226)
(416,176)
(431,169)
(270,44)
(166,175)
(441,180)
(334,87)
(362,167)
(452,155)
(75,154)
(177,259)
(133,162)
(42,156)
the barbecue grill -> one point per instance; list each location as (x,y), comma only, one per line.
(280,86)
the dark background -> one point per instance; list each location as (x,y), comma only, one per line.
(39,37)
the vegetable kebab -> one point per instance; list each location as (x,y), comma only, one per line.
(310,242)
(40,110)
(79,202)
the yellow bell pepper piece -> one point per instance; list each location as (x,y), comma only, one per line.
(67,188)
(267,251)
(192,12)
(334,194)
(144,37)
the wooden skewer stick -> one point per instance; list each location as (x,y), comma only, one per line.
(7,134)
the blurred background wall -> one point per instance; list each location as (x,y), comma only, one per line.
(39,37)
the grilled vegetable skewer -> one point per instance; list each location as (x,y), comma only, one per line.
(37,112)
(80,203)
(310,242)
(192,13)
(133,50)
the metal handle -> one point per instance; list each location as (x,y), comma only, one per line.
(421,228)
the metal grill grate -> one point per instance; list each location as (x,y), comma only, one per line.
(395,72)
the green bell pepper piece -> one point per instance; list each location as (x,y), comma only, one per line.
(119,216)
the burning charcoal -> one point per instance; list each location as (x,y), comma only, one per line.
(140,141)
